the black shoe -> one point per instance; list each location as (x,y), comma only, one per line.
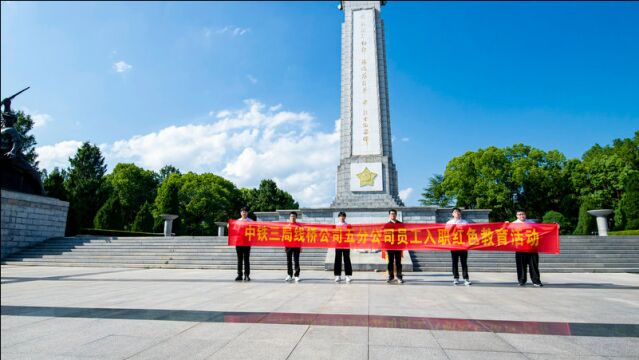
(247,278)
(400,280)
(390,280)
(522,284)
(238,278)
(539,285)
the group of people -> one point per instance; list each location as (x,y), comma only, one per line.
(525,261)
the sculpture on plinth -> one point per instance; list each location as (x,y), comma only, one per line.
(17,173)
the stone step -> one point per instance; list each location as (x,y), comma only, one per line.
(166,266)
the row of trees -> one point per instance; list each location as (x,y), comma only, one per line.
(132,198)
(545,184)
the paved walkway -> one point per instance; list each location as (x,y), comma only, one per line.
(107,313)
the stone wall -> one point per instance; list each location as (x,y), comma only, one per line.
(29,219)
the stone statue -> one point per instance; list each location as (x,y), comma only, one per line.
(17,173)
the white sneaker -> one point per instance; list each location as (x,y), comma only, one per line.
(337,279)
(348,279)
(288,278)
(455,282)
(467,282)
(297,279)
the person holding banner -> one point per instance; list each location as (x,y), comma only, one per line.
(458,255)
(526,259)
(243,252)
(394,256)
(292,253)
(342,253)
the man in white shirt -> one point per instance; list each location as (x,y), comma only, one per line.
(342,253)
(243,252)
(527,259)
(459,254)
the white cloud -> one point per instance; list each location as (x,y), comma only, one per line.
(245,146)
(231,30)
(58,154)
(405,194)
(405,139)
(251,78)
(40,120)
(122,67)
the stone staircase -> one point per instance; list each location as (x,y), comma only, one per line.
(578,254)
(182,252)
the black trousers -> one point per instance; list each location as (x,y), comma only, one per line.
(463,256)
(396,257)
(292,253)
(337,267)
(243,253)
(527,260)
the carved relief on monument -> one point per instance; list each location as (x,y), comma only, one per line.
(366,114)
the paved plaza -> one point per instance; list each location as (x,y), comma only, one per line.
(126,313)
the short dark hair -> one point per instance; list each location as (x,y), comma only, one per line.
(244,208)
(456,208)
(293,213)
(392,211)
(341,213)
(518,211)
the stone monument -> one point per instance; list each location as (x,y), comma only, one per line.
(366,185)
(366,175)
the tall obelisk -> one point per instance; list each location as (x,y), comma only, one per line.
(366,175)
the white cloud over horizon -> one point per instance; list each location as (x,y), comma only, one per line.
(245,146)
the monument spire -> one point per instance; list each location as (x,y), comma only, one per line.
(366,175)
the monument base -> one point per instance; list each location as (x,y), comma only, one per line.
(30,219)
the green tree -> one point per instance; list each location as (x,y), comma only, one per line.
(601,175)
(435,194)
(629,204)
(268,197)
(133,186)
(110,215)
(54,184)
(554,217)
(85,187)
(504,180)
(167,202)
(166,171)
(24,125)
(144,219)
(202,199)
(586,222)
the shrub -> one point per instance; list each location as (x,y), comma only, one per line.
(554,217)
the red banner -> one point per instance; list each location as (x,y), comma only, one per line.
(525,237)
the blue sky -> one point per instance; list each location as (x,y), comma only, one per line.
(251,90)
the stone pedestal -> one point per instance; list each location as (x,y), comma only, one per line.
(30,219)
(220,228)
(602,221)
(168,224)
